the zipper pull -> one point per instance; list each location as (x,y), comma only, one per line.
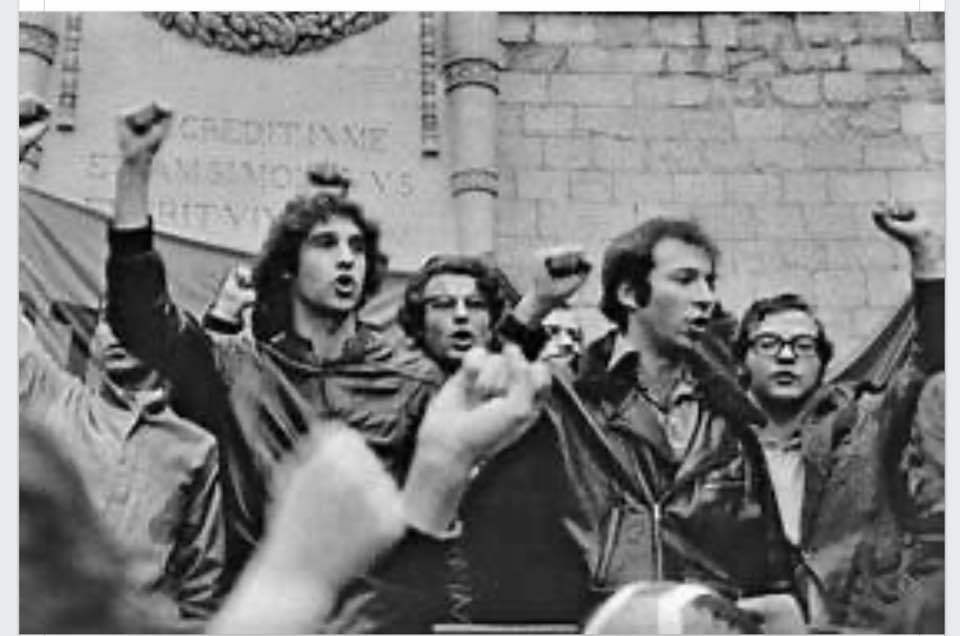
(657,541)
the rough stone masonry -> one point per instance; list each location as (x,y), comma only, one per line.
(776,131)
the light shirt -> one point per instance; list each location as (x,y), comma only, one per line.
(787,475)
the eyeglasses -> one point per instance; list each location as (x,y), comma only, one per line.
(771,344)
(445,302)
(555,330)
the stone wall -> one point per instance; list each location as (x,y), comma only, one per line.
(776,131)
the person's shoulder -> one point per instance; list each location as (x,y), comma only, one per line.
(382,355)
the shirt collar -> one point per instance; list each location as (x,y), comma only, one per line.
(622,347)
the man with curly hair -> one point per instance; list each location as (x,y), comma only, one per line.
(450,305)
(307,357)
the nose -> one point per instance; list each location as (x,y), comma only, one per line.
(786,353)
(345,256)
(460,312)
(704,295)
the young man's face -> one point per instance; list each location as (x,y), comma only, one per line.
(456,317)
(332,267)
(779,372)
(681,294)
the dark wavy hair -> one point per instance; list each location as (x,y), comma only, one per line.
(278,261)
(489,283)
(629,258)
(763,307)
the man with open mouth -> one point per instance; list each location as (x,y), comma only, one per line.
(450,305)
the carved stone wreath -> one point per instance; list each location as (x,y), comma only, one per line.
(261,33)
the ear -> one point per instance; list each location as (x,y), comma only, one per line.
(627,296)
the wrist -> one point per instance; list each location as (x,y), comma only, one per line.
(928,259)
(434,487)
(531,310)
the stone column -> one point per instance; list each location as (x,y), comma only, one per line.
(471,70)
(39,36)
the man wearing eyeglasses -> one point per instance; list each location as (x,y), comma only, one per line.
(450,305)
(832,449)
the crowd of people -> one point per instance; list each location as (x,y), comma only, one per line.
(278,465)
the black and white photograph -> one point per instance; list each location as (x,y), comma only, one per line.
(482,321)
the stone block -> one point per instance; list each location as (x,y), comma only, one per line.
(507,183)
(922,87)
(805,58)
(592,89)
(757,123)
(618,122)
(840,288)
(676,30)
(926,25)
(536,58)
(805,187)
(525,152)
(880,118)
(516,218)
(591,186)
(865,186)
(597,59)
(523,87)
(700,188)
(725,221)
(623,30)
(514,27)
(639,187)
(826,28)
(894,152)
(930,55)
(871,58)
(918,185)
(674,157)
(510,119)
(547,120)
(566,152)
(753,188)
(719,30)
(922,119)
(672,91)
(564,28)
(880,253)
(660,124)
(934,147)
(882,25)
(779,221)
(845,87)
(765,32)
(706,124)
(720,156)
(834,154)
(629,155)
(885,288)
(829,221)
(699,60)
(813,123)
(778,154)
(797,90)
(541,184)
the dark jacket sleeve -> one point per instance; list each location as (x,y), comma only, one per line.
(929,310)
(200,550)
(530,340)
(146,321)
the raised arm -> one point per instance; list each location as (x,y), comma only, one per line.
(923,237)
(139,308)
